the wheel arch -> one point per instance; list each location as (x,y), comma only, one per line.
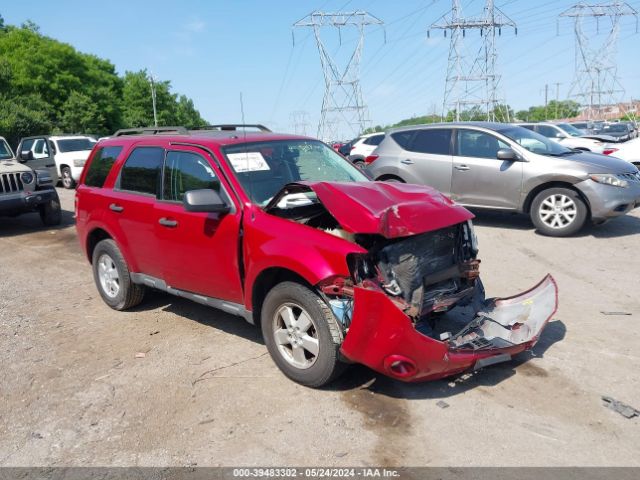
(526,207)
(265,281)
(93,238)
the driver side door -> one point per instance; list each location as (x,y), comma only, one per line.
(479,179)
(41,156)
(200,251)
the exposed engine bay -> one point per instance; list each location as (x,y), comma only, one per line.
(426,275)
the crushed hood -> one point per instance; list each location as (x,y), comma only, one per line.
(388,209)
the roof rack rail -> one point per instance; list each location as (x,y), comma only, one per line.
(232,127)
(151,131)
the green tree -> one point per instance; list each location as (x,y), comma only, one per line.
(81,115)
(23,116)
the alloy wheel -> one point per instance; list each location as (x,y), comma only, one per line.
(296,336)
(108,276)
(558,211)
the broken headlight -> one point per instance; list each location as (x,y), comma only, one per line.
(360,267)
(471,238)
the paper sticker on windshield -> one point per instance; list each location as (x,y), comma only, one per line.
(248,162)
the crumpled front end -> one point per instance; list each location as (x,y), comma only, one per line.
(386,339)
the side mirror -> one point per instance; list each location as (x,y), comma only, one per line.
(508,154)
(204,200)
(560,135)
(26,155)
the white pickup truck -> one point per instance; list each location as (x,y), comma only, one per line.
(69,152)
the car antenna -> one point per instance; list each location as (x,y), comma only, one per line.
(246,153)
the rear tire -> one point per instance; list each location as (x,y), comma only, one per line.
(51,213)
(67,180)
(558,212)
(111,274)
(302,334)
(360,164)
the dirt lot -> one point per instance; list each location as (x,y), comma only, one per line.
(206,392)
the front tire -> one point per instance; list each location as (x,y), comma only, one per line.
(558,212)
(302,334)
(51,212)
(67,180)
(111,274)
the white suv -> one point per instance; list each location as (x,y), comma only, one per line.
(70,152)
(363,147)
(566,134)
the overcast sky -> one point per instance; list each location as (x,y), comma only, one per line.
(213,50)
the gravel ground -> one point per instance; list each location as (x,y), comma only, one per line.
(206,392)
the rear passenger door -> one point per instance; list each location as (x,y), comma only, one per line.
(427,157)
(131,208)
(479,178)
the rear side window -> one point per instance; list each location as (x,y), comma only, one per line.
(436,141)
(404,138)
(100,166)
(186,171)
(141,171)
(547,131)
(375,140)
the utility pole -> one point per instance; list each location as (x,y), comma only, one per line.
(152,84)
(546,100)
(596,82)
(299,122)
(557,84)
(342,101)
(472,81)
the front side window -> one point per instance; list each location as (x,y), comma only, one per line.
(436,141)
(472,143)
(100,166)
(141,171)
(185,171)
(40,149)
(264,168)
(547,131)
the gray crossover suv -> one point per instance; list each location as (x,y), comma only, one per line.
(506,167)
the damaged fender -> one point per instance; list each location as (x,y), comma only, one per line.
(382,337)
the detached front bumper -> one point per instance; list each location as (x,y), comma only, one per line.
(383,338)
(24,201)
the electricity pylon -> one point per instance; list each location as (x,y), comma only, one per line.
(299,122)
(342,100)
(596,83)
(472,81)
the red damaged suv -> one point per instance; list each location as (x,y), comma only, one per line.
(283,231)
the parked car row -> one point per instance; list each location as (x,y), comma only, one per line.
(619,131)
(510,168)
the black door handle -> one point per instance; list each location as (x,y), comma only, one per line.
(116,208)
(165,222)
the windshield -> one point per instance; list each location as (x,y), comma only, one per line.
(75,144)
(534,142)
(5,150)
(264,168)
(570,129)
(616,127)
